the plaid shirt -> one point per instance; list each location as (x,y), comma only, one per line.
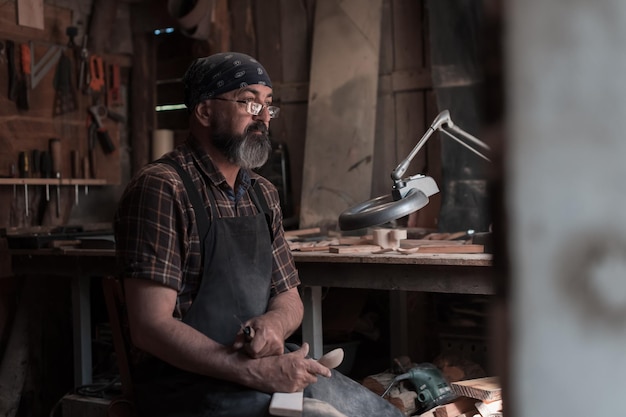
(155,227)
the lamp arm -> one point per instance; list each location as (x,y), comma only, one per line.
(442,119)
(469,137)
(397,173)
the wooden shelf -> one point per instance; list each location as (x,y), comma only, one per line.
(52,181)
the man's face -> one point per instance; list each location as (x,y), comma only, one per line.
(242,137)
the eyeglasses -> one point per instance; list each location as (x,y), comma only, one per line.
(252,107)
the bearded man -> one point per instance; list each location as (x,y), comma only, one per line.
(202,256)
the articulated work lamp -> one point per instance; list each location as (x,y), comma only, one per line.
(407,194)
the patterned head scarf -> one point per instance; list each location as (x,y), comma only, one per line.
(220,73)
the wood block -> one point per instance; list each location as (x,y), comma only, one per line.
(388,238)
(489,409)
(378,383)
(457,407)
(485,389)
(286,404)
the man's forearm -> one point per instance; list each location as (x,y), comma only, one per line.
(287,309)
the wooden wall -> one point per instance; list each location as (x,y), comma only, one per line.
(25,130)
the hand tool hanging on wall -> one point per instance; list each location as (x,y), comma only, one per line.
(3,53)
(65,96)
(22,85)
(24,168)
(75,159)
(114,97)
(39,68)
(98,113)
(13,78)
(45,167)
(83,74)
(96,74)
(55,153)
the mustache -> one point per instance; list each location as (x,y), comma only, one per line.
(257,127)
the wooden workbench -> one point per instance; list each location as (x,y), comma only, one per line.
(441,273)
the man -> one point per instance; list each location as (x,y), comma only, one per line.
(203,257)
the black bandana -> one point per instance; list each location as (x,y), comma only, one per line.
(220,73)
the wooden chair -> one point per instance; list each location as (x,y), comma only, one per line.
(122,406)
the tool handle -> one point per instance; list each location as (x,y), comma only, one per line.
(23,165)
(46,165)
(105,141)
(55,154)
(35,166)
(25,58)
(76,165)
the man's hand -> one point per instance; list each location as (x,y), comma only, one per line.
(290,372)
(266,338)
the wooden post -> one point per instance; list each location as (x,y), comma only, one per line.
(142,99)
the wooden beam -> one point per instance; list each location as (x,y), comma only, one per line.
(103,13)
(342,109)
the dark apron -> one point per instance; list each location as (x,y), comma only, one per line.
(236,280)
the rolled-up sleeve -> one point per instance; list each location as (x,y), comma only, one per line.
(150,229)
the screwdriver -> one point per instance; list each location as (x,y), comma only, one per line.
(24,173)
(45,167)
(55,153)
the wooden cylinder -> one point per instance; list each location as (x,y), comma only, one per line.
(55,153)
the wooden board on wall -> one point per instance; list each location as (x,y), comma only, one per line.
(342,109)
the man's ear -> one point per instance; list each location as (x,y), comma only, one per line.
(203,113)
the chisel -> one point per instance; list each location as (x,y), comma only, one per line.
(24,173)
(55,153)
(45,166)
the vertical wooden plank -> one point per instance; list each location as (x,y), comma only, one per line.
(269,43)
(342,105)
(102,17)
(295,33)
(385,159)
(142,98)
(243,32)
(220,28)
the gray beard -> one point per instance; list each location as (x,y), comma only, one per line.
(250,150)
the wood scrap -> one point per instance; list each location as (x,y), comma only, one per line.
(445,236)
(485,389)
(444,249)
(355,240)
(312,246)
(289,234)
(401,397)
(354,249)
(411,243)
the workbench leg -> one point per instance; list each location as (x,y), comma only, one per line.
(398,325)
(81,312)
(312,321)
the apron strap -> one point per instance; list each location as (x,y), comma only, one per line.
(202,218)
(196,201)
(261,205)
